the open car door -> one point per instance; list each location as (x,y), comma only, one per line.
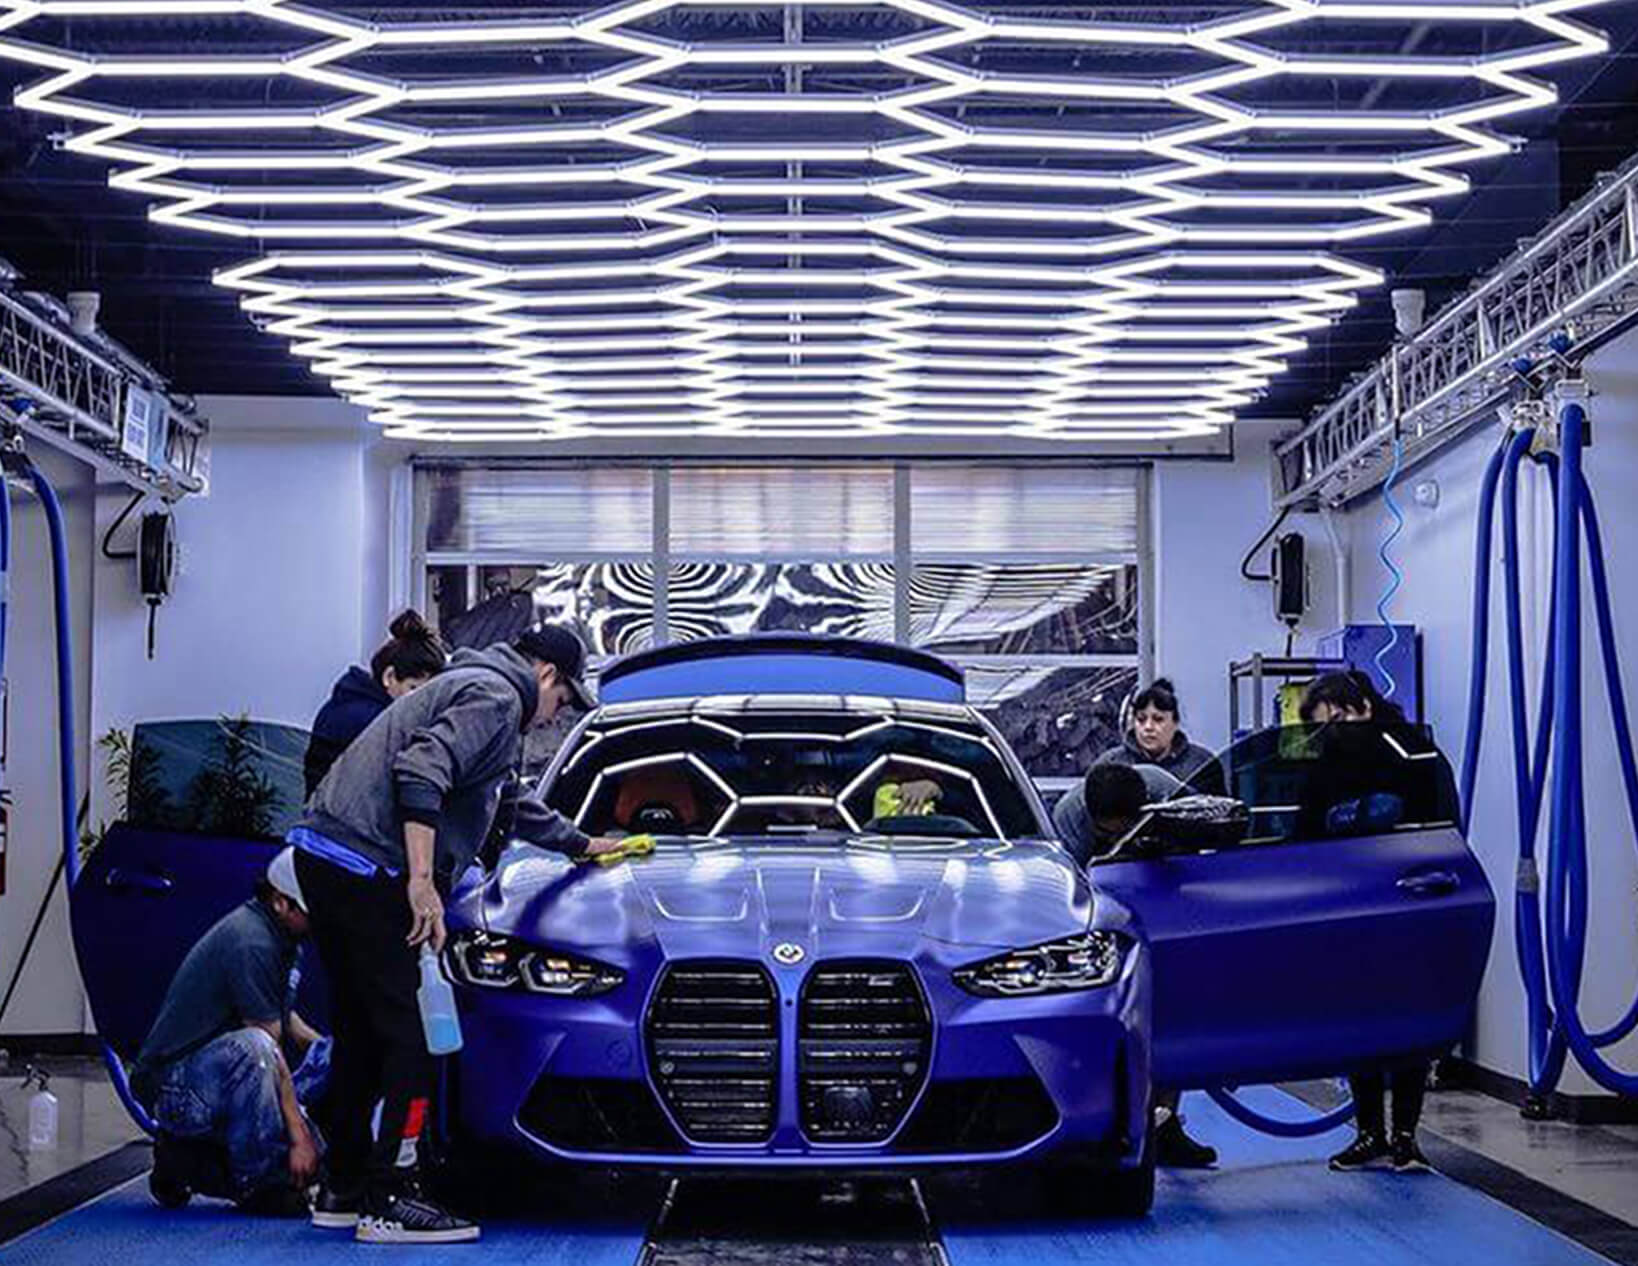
(207,803)
(1350,926)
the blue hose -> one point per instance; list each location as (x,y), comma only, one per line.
(1390,686)
(1279,1127)
(1478,670)
(1547,1048)
(65,746)
(1567,878)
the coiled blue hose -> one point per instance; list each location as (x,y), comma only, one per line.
(1397,577)
(1567,855)
(1552,952)
(65,744)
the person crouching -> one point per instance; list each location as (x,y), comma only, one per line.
(213,1070)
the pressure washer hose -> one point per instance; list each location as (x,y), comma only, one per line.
(1552,953)
(66,743)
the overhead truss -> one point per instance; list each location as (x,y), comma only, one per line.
(821,217)
(95,402)
(1578,279)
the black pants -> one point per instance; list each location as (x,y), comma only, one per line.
(380,1054)
(1409,1082)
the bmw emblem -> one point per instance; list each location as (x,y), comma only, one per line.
(788,953)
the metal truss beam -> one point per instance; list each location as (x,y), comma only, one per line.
(57,388)
(1578,276)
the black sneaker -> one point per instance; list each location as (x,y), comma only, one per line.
(1366,1150)
(410,1218)
(1174,1149)
(1407,1156)
(168,1183)
(336,1208)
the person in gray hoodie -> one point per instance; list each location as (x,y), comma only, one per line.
(398,818)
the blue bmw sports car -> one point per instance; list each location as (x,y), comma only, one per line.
(857,945)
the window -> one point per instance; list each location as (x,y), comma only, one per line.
(1028,576)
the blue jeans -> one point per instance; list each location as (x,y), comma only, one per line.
(227,1093)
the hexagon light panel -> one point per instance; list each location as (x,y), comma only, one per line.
(810,219)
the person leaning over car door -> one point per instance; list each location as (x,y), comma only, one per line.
(411,654)
(398,818)
(1358,765)
(1093,819)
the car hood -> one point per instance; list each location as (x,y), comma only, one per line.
(742,898)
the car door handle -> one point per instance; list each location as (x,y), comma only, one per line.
(122,880)
(1429,883)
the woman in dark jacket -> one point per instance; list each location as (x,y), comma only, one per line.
(1357,762)
(411,654)
(1155,736)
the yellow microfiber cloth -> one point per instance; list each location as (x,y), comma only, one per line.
(889,802)
(630,847)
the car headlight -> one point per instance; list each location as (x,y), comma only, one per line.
(1076,962)
(488,960)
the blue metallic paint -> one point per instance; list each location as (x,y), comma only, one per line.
(937,907)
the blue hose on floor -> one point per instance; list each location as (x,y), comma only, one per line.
(65,744)
(1278,1126)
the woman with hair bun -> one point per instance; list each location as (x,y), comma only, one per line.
(411,655)
(1155,736)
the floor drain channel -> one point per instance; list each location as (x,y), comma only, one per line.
(720,1222)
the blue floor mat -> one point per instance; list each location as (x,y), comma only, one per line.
(1271,1202)
(125,1228)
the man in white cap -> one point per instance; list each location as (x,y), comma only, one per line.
(213,1071)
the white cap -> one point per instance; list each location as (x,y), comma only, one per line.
(281,874)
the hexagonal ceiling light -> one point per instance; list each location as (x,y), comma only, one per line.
(816,218)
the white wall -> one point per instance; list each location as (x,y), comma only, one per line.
(283,584)
(1205,516)
(1436,552)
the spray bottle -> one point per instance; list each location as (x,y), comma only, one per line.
(436,999)
(42,1111)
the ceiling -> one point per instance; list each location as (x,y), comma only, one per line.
(909,217)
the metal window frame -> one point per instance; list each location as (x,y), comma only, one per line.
(902,558)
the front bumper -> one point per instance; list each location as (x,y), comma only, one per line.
(1009,1080)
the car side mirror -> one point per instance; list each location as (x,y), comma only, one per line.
(1193,824)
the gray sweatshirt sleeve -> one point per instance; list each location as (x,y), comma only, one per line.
(468,735)
(539,824)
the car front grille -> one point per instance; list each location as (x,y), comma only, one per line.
(713,1050)
(864,1043)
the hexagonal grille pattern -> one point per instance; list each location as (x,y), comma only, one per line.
(810,219)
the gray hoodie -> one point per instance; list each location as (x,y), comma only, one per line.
(441,755)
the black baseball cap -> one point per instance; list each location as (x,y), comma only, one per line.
(555,645)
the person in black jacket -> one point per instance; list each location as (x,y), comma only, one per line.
(1154,736)
(1362,771)
(410,655)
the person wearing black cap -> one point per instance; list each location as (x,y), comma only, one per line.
(400,816)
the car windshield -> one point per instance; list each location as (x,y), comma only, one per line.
(767,767)
(1343,778)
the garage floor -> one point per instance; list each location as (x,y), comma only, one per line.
(1270,1202)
